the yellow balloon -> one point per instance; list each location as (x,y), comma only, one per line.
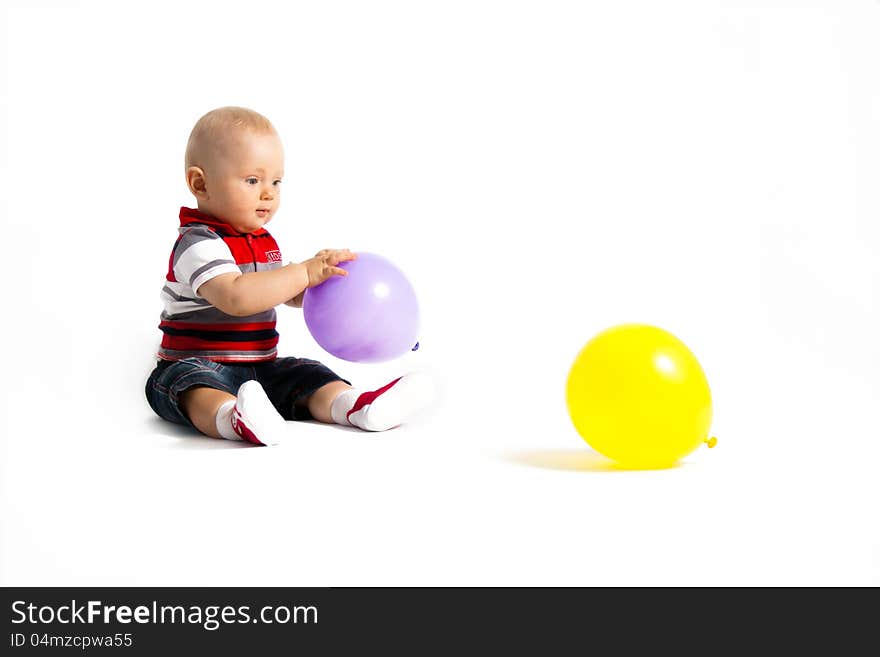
(638,395)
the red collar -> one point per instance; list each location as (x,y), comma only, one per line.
(193,216)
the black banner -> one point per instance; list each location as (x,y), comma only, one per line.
(284,621)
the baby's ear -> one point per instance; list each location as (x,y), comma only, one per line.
(195,180)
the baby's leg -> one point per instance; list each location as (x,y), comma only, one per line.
(200,405)
(321,401)
(249,416)
(303,389)
(198,392)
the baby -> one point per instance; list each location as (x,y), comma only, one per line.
(218,368)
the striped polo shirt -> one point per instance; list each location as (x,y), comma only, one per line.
(190,325)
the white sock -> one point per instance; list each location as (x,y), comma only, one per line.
(251,417)
(224,421)
(383,408)
(342,405)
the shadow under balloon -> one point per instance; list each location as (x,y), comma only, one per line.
(572,460)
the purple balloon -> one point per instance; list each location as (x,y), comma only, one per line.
(369,316)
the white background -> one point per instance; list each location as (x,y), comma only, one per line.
(541,171)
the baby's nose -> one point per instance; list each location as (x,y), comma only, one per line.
(267,195)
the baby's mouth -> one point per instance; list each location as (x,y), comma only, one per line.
(262,213)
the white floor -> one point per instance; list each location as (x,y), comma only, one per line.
(463,497)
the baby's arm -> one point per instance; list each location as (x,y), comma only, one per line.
(241,295)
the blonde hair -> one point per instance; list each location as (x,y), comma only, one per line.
(213,130)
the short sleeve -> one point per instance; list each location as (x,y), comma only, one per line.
(201,255)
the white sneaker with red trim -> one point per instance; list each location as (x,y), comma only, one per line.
(388,406)
(254,418)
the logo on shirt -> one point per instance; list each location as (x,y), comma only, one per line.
(273,256)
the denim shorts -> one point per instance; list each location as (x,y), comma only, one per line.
(288,383)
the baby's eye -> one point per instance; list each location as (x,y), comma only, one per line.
(251,181)
(276,183)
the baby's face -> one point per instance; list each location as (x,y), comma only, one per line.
(244,183)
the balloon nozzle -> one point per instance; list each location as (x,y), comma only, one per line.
(711,442)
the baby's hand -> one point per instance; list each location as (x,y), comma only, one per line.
(323,265)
